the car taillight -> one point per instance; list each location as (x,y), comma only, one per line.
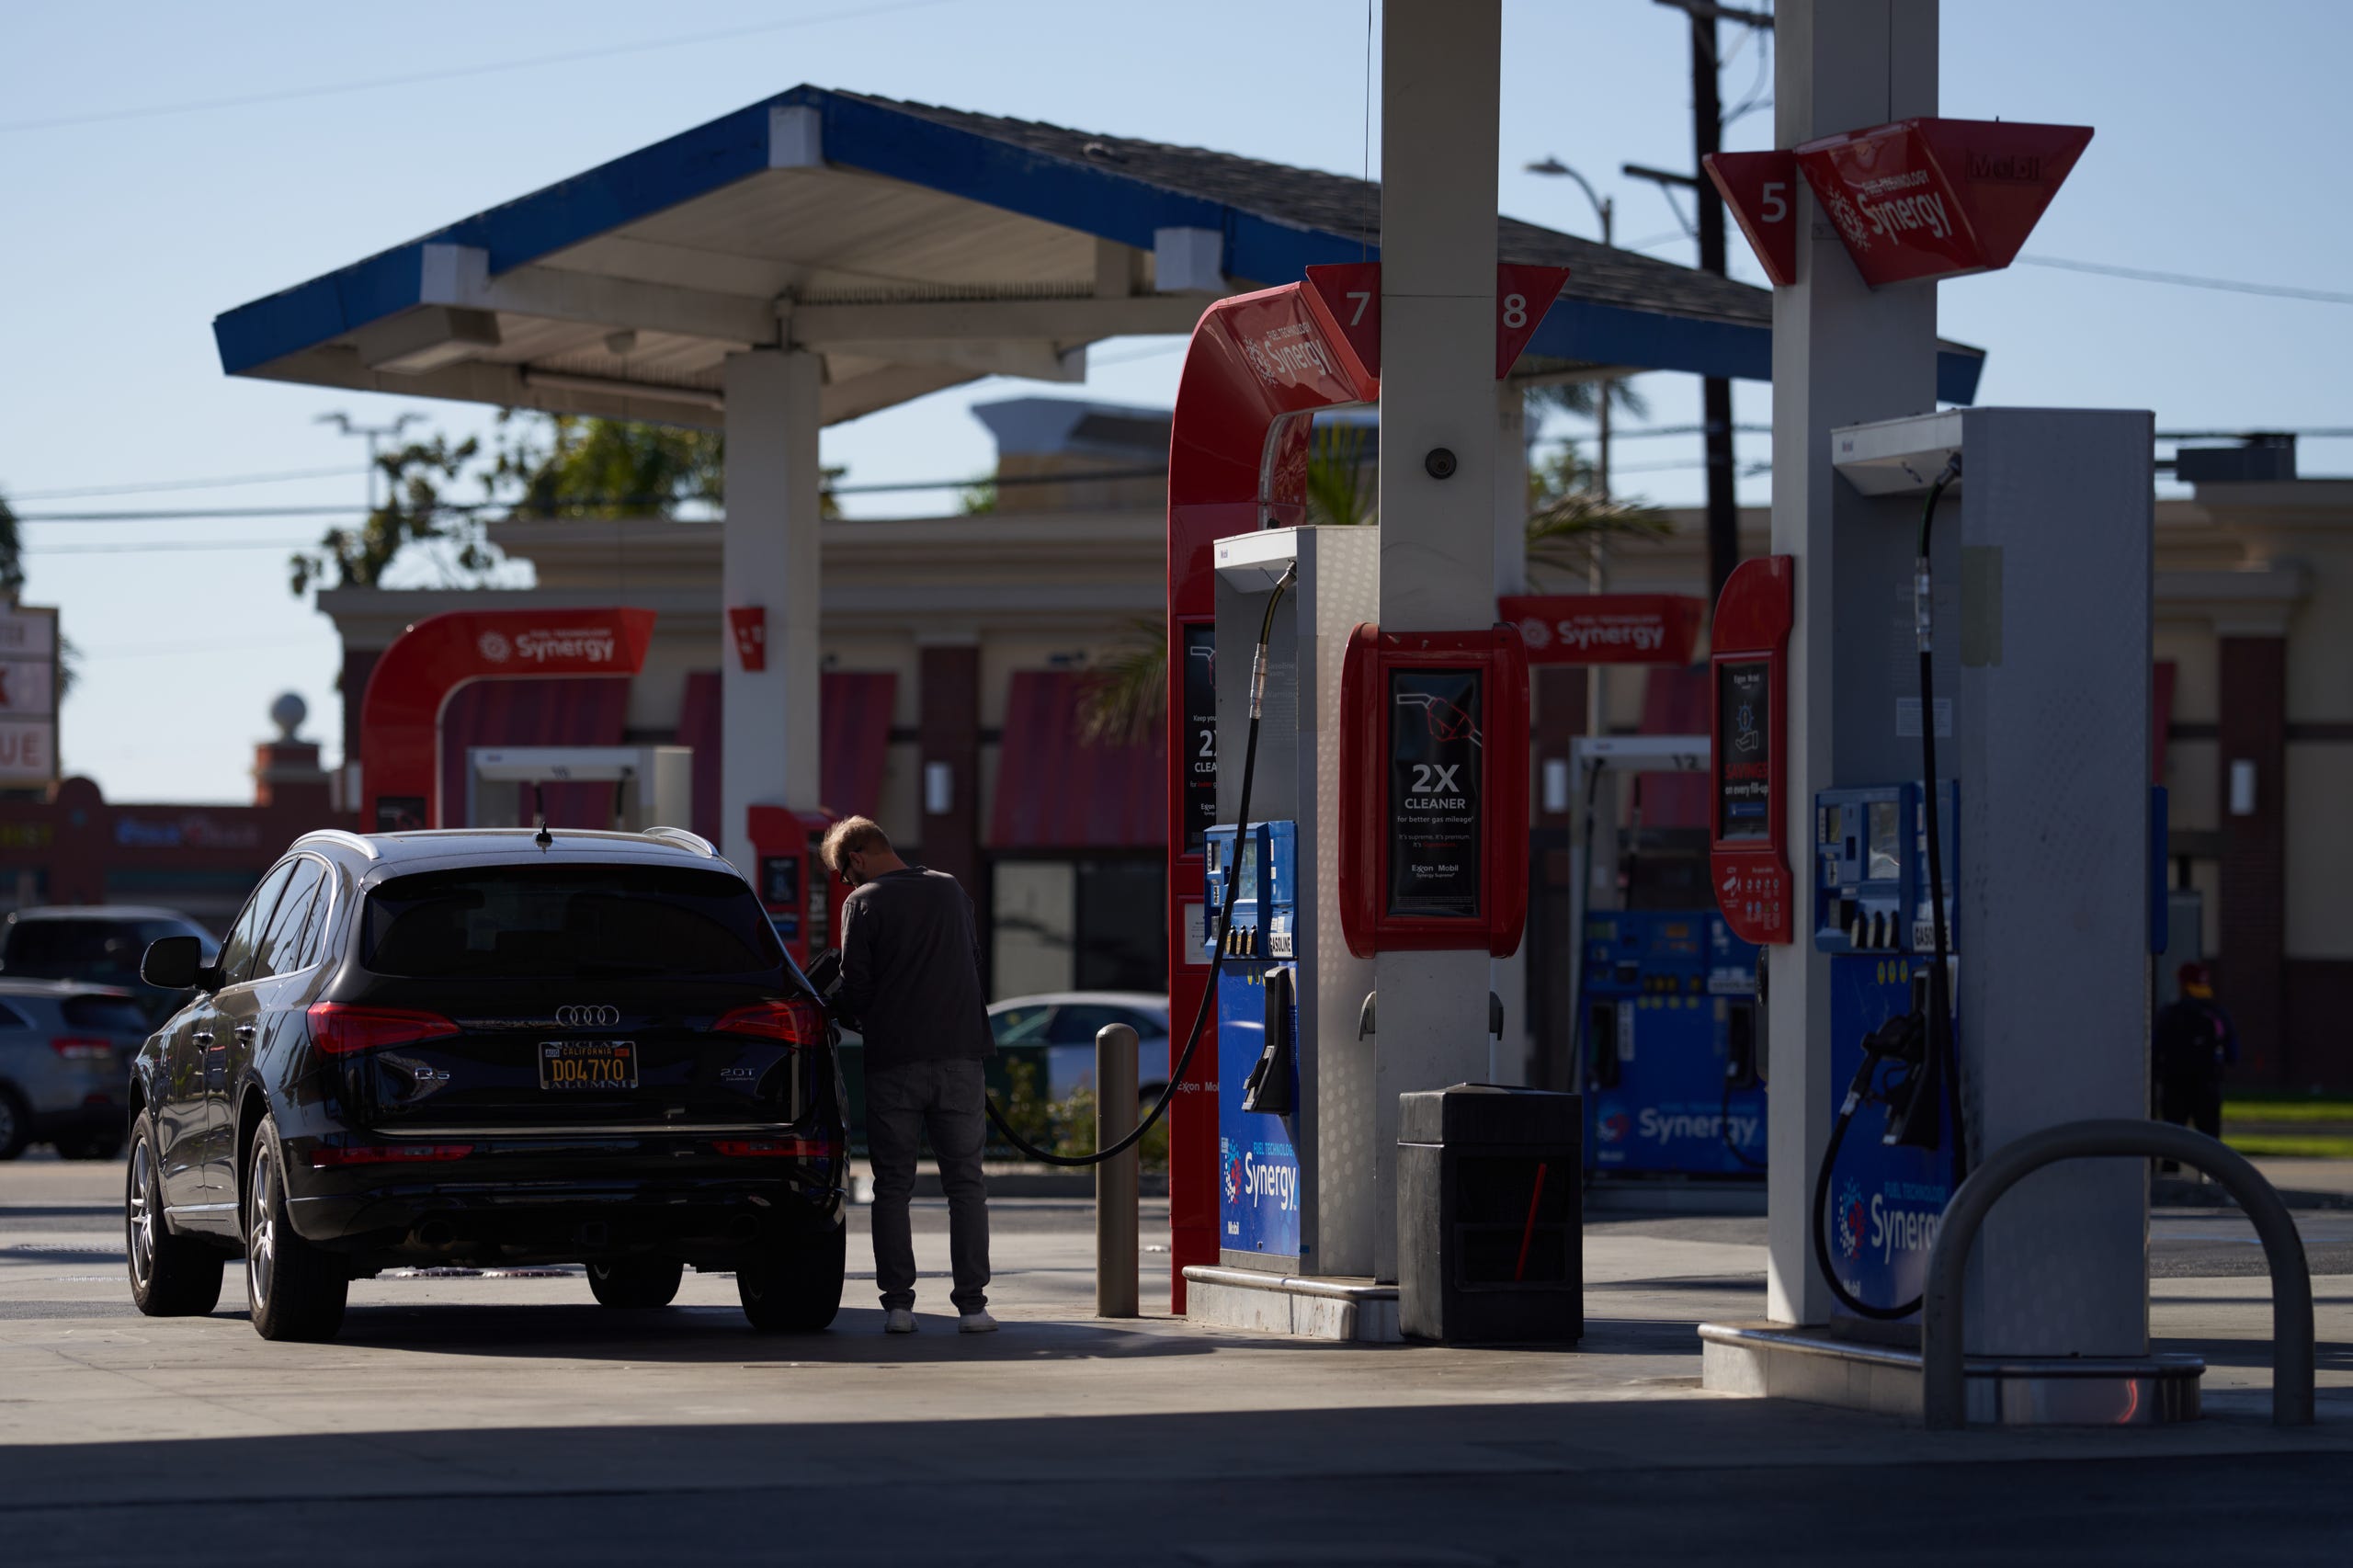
(76,1048)
(796,1022)
(330,1156)
(809,1146)
(339,1029)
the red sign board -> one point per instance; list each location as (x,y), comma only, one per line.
(750,624)
(1930,198)
(1761,189)
(1347,298)
(1604,628)
(1747,755)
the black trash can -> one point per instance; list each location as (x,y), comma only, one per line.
(1490,1221)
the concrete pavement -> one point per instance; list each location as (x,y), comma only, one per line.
(487,1417)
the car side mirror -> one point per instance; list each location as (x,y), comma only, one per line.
(177,963)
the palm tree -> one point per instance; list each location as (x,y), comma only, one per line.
(1569,522)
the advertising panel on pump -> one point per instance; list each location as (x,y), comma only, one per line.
(1434,765)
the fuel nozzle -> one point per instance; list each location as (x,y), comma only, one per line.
(1913,1101)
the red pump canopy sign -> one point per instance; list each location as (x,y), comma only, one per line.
(1913,201)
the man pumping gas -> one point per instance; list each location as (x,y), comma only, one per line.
(911,981)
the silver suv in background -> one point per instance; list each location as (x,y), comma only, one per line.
(99,944)
(66,1054)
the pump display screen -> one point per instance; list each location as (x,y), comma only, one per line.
(1200,734)
(1435,757)
(1743,749)
(1884,863)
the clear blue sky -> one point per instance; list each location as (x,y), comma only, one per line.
(2219,153)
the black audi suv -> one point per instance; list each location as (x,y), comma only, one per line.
(489,1046)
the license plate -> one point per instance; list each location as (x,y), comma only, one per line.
(587,1064)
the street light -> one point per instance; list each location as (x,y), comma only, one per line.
(344,423)
(1597,571)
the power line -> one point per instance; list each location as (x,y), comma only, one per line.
(415,78)
(224,481)
(2190,281)
(174,546)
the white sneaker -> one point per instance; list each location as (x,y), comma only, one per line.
(898,1320)
(976,1322)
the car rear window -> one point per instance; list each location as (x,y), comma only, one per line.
(109,950)
(118,1015)
(554,922)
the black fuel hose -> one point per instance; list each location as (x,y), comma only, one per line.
(1939,1055)
(1224,923)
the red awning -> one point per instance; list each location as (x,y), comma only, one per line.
(1674,702)
(853,741)
(565,710)
(1055,790)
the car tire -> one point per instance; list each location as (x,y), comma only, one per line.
(171,1277)
(795,1287)
(635,1283)
(294,1290)
(89,1146)
(16,1123)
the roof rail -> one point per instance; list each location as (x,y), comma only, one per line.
(684,840)
(339,835)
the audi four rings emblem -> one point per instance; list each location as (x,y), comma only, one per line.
(588,1018)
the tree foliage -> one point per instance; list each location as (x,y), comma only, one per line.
(12,554)
(540,466)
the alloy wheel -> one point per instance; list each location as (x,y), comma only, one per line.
(142,1215)
(261,1230)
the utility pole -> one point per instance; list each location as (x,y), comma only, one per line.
(373,433)
(1707,136)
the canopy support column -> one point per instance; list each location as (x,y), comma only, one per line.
(769,560)
(1441,66)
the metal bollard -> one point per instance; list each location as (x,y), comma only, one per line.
(1116,1191)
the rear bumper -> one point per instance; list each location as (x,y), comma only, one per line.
(534,1201)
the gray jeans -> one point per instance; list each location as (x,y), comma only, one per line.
(940,1100)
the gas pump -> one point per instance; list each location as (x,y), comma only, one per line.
(803,900)
(1294,1078)
(1670,1038)
(1985,880)
(638,787)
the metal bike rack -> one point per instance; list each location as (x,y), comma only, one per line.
(1943,1403)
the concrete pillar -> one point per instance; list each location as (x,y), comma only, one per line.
(2253,960)
(771,559)
(1515,1052)
(1440,89)
(948,735)
(1841,355)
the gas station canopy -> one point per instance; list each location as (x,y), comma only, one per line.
(914,248)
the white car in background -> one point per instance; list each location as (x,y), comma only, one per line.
(1064,1022)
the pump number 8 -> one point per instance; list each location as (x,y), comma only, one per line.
(1515,310)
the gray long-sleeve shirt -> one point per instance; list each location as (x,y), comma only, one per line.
(911,976)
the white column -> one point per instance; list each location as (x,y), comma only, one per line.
(1507,978)
(771,559)
(1440,87)
(1841,355)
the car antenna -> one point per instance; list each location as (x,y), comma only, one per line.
(544,838)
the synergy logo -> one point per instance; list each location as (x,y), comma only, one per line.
(492,647)
(1611,1123)
(1666,1126)
(1851,1218)
(1267,1181)
(1232,1166)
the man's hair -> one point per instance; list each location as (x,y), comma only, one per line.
(851,835)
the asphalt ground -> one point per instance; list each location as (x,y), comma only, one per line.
(494,1416)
